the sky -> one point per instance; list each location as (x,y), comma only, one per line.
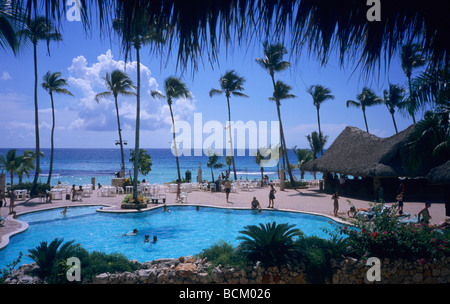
(84,60)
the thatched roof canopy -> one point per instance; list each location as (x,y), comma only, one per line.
(440,174)
(358,153)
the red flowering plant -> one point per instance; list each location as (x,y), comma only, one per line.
(380,233)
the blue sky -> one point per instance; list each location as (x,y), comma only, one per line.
(84,60)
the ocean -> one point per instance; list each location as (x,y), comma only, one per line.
(79,165)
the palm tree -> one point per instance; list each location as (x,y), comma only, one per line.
(173,88)
(432,87)
(116,83)
(261,156)
(26,164)
(316,141)
(366,98)
(411,57)
(428,145)
(273,62)
(231,84)
(8,36)
(11,162)
(303,156)
(136,33)
(214,164)
(393,99)
(319,95)
(38,29)
(54,83)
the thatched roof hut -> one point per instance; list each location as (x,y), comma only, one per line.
(358,153)
(440,174)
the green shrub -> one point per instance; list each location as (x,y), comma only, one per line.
(272,244)
(224,254)
(52,261)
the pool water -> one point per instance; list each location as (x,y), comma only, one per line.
(182,231)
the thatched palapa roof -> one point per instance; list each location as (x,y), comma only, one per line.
(358,153)
(440,174)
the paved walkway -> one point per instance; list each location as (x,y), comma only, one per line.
(305,200)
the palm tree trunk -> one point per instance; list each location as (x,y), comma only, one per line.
(320,131)
(410,100)
(51,141)
(174,142)
(283,142)
(231,139)
(138,122)
(395,125)
(36,122)
(122,166)
(365,120)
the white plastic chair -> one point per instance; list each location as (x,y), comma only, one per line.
(212,186)
(183,197)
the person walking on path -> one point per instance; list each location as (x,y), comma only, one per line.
(271,196)
(2,199)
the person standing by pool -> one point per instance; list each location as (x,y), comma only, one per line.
(271,196)
(12,199)
(73,192)
(227,188)
(335,198)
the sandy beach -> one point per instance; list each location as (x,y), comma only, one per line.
(310,200)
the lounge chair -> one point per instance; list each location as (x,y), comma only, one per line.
(183,197)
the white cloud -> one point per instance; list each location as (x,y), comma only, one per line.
(5,76)
(101,116)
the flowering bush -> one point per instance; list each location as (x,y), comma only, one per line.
(385,236)
(128,199)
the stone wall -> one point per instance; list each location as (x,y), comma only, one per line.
(197,271)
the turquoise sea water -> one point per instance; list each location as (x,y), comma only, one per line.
(78,166)
(182,231)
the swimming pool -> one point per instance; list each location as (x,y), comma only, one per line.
(182,231)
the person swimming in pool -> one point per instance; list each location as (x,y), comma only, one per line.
(135,231)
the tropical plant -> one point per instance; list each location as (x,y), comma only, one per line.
(411,57)
(173,88)
(319,95)
(428,145)
(261,156)
(384,236)
(38,29)
(316,142)
(303,156)
(48,256)
(222,253)
(118,82)
(273,62)
(366,98)
(26,164)
(54,83)
(213,163)
(270,243)
(393,99)
(231,84)
(205,30)
(8,17)
(136,33)
(11,162)
(432,87)
(144,163)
